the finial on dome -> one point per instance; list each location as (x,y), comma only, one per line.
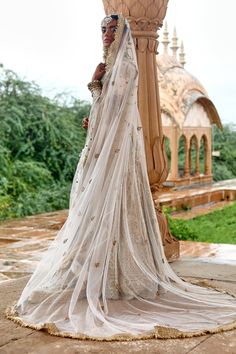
(174,44)
(165,40)
(182,55)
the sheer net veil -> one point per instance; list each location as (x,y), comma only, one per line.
(105,276)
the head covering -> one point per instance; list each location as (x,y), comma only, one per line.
(110,53)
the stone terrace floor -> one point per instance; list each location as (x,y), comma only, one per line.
(22,242)
(198,195)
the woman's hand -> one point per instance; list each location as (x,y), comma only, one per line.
(99,72)
(85,123)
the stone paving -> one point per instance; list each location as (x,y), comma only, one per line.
(22,242)
(197,196)
(200,210)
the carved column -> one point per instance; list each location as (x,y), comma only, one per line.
(190,159)
(187,159)
(145,18)
(208,161)
(197,160)
(174,156)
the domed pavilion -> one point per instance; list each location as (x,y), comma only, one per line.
(187,117)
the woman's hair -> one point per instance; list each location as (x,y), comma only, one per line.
(114,17)
(109,18)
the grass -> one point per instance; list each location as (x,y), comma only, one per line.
(218,226)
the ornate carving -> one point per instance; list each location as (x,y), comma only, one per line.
(150,9)
(142,15)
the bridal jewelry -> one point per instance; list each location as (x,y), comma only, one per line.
(95,87)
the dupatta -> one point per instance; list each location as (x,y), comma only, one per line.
(105,276)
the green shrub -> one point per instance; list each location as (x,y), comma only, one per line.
(180,229)
(218,226)
(6,202)
(43,200)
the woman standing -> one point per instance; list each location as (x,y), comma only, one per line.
(105,276)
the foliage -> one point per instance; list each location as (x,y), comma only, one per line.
(168,151)
(217,227)
(40,142)
(181,155)
(224,166)
(178,227)
(42,200)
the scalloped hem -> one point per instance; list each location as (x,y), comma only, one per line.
(159,332)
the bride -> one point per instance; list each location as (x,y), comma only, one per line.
(105,276)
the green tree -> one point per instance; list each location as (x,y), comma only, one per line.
(40,143)
(224,166)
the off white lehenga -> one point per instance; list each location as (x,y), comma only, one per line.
(105,276)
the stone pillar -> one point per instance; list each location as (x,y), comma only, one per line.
(145,18)
(174,155)
(197,160)
(208,161)
(187,159)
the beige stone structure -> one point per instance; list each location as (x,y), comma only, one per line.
(187,118)
(145,18)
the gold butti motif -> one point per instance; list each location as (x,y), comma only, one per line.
(145,18)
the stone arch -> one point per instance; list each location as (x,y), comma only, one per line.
(182,149)
(193,153)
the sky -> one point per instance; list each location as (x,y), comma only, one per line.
(57,43)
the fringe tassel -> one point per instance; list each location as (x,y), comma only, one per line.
(159,332)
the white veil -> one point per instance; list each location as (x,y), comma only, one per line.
(105,275)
